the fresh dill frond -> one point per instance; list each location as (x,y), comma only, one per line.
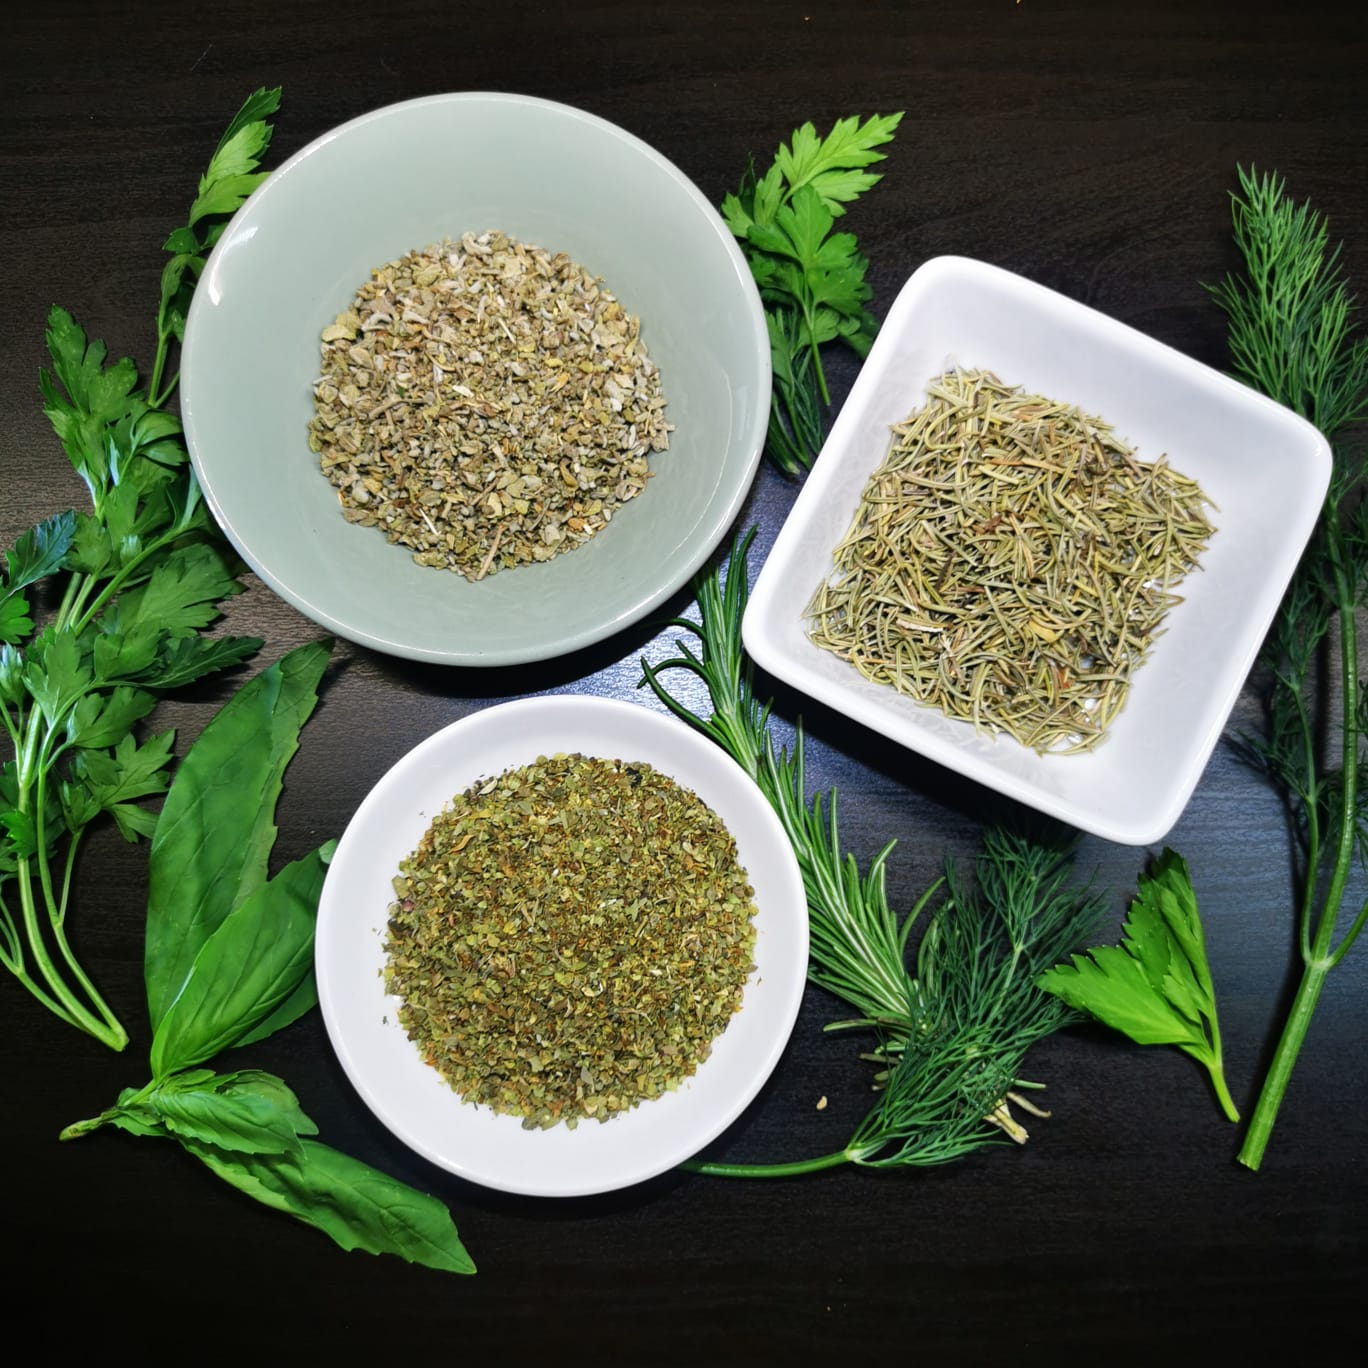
(1294,335)
(953,1034)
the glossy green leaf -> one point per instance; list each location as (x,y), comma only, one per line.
(303,1000)
(15,622)
(249,1112)
(1155,986)
(251,963)
(100,720)
(217,825)
(39,551)
(352,1203)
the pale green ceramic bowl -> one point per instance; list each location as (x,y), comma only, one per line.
(406,176)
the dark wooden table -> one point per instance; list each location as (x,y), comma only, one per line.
(1088,144)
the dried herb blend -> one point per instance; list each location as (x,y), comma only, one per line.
(570,938)
(486,404)
(1010,563)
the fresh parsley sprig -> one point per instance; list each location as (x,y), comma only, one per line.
(953,1034)
(232,175)
(1294,335)
(811,280)
(1156,986)
(136,580)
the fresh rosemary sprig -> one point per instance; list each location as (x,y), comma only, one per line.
(953,1034)
(1293,336)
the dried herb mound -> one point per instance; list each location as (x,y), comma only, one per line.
(570,938)
(1010,563)
(486,404)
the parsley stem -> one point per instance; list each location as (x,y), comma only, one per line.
(103,1027)
(155,400)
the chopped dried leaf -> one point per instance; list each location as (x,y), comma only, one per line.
(570,938)
(486,404)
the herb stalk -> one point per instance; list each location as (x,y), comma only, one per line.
(1293,336)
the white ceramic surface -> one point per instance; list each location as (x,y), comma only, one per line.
(1265,469)
(362,1020)
(404,177)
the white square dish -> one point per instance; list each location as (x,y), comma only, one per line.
(1264,469)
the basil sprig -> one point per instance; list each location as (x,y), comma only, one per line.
(229,961)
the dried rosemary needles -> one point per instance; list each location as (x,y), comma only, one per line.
(570,938)
(486,404)
(1010,563)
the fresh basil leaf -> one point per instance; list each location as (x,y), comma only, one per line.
(217,825)
(247,1113)
(302,1001)
(136,1124)
(252,963)
(352,1203)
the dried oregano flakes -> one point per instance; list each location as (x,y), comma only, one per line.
(486,404)
(570,938)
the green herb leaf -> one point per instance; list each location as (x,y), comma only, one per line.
(217,825)
(56,673)
(811,281)
(832,165)
(253,962)
(39,552)
(248,1112)
(954,1035)
(182,660)
(132,770)
(96,397)
(101,720)
(183,591)
(15,623)
(1156,986)
(354,1204)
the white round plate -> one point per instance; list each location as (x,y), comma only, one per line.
(363,1020)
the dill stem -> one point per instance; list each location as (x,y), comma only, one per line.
(714,1169)
(1319,955)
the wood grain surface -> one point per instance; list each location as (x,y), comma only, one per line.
(1087,144)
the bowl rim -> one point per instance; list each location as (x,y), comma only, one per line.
(712,529)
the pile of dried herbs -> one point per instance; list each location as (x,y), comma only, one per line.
(486,404)
(1010,563)
(569,938)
